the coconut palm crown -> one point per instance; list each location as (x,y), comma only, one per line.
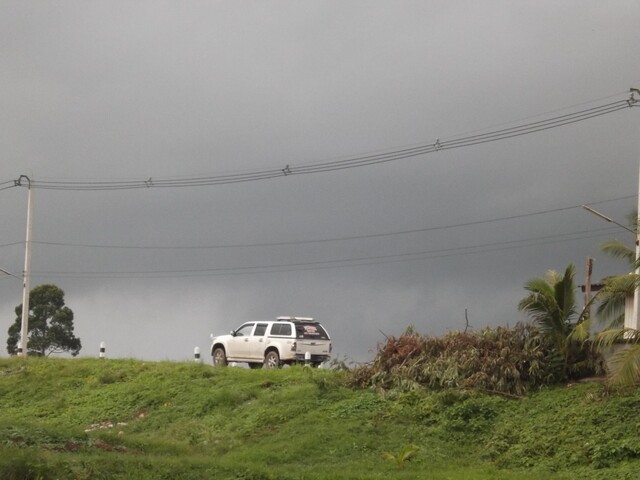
(551,304)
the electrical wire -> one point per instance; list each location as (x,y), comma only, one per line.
(548,113)
(346,163)
(12,244)
(334,165)
(7,185)
(311,241)
(339,263)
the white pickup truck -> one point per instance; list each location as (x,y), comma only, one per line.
(288,340)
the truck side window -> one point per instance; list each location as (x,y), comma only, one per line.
(260,330)
(285,329)
(244,330)
(281,329)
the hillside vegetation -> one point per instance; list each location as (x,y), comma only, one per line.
(130,419)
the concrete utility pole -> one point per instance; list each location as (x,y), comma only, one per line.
(630,321)
(24,330)
(633,322)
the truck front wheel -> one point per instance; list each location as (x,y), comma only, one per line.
(219,357)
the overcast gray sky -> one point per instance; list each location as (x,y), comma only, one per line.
(121,91)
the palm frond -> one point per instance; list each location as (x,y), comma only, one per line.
(539,286)
(565,294)
(612,304)
(617,249)
(632,218)
(581,332)
(613,296)
(624,366)
(552,277)
(615,322)
(608,338)
(403,456)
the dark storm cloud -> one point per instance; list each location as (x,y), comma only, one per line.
(111,90)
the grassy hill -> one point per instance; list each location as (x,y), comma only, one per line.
(130,419)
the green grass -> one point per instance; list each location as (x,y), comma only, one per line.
(129,419)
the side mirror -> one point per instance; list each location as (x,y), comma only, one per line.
(212,336)
(232,333)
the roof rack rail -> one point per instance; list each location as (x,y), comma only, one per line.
(296,319)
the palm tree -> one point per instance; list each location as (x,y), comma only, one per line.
(551,304)
(616,289)
(624,364)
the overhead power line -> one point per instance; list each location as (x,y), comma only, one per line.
(346,163)
(338,263)
(312,241)
(317,240)
(7,185)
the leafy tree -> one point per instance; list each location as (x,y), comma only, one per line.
(50,324)
(551,304)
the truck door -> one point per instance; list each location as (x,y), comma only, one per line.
(239,343)
(257,342)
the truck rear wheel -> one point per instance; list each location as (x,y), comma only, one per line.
(272,359)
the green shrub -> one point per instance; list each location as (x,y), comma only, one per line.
(500,360)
